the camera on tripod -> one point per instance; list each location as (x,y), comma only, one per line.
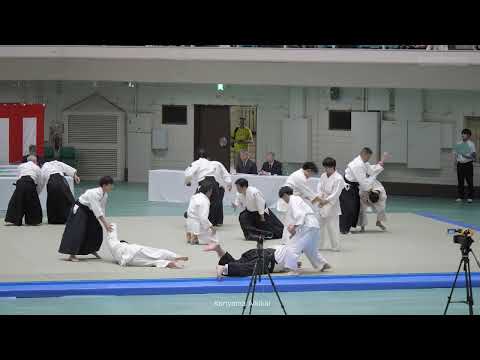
(258,235)
(463,237)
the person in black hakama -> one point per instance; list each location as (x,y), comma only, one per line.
(256,218)
(24,200)
(59,196)
(278,258)
(220,182)
(209,173)
(356,180)
(83,233)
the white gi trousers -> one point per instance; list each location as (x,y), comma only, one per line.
(306,240)
(330,226)
(148,256)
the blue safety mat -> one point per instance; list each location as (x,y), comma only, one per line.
(233,285)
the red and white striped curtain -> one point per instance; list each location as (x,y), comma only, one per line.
(21,125)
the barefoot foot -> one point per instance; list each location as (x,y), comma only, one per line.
(381,226)
(211,247)
(326,267)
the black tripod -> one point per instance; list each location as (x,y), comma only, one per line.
(257,274)
(465,261)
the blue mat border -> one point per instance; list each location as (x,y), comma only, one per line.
(444,219)
(214,286)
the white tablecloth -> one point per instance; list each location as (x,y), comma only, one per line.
(7,188)
(169,186)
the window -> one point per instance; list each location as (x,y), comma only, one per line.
(339,120)
(174,114)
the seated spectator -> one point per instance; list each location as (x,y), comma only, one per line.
(245,165)
(271,166)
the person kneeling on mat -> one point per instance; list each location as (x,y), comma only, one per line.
(126,254)
(199,230)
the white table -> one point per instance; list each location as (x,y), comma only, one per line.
(7,188)
(169,186)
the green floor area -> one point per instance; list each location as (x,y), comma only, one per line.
(132,200)
(392,302)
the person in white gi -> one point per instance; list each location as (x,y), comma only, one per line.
(199,230)
(304,229)
(376,199)
(204,171)
(199,169)
(83,233)
(126,254)
(25,200)
(59,196)
(357,181)
(255,216)
(329,189)
(298,182)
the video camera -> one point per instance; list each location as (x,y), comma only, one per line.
(258,235)
(463,237)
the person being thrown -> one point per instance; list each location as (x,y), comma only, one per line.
(126,254)
(375,198)
(278,258)
(199,230)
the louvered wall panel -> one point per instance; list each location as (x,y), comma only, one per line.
(92,129)
(95,163)
(98,139)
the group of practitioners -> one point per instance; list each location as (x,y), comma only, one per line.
(306,216)
(83,218)
(309,219)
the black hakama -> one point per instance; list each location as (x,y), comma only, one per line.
(83,233)
(350,206)
(59,199)
(215,215)
(246,264)
(250,221)
(24,202)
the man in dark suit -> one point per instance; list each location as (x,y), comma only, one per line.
(245,165)
(271,166)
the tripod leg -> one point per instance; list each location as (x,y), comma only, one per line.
(249,288)
(453,287)
(254,288)
(468,285)
(276,292)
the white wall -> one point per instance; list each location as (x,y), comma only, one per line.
(410,105)
(273,106)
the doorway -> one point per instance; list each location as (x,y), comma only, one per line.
(212,132)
